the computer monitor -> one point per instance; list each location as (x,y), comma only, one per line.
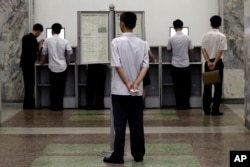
(172,31)
(49,33)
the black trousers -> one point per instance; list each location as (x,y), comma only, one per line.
(29,86)
(57,88)
(128,108)
(96,77)
(182,86)
(207,95)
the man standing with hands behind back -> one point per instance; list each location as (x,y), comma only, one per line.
(30,51)
(130,62)
(213,45)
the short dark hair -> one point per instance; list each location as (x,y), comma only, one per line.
(129,19)
(56,28)
(37,27)
(215,21)
(178,24)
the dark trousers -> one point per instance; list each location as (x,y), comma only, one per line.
(57,88)
(96,77)
(207,95)
(128,108)
(182,86)
(29,87)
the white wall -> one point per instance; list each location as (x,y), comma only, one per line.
(159,15)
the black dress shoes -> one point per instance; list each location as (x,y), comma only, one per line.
(29,107)
(138,160)
(207,113)
(217,113)
(113,160)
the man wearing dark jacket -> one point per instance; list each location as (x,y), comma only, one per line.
(30,51)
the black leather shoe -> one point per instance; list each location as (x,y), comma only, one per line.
(29,107)
(139,160)
(183,108)
(113,161)
(207,113)
(217,113)
(56,109)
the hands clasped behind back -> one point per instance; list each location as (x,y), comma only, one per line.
(133,89)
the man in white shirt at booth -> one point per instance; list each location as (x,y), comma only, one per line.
(181,47)
(55,48)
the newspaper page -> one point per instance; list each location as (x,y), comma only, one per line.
(94,38)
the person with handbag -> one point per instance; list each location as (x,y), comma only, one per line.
(214,43)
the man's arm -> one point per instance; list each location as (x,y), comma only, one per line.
(68,59)
(191,48)
(124,78)
(44,54)
(42,59)
(69,53)
(190,52)
(211,65)
(218,56)
(40,47)
(169,46)
(151,56)
(223,46)
(206,57)
(143,70)
(140,77)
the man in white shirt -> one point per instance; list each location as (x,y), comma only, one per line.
(181,47)
(130,62)
(56,47)
(213,45)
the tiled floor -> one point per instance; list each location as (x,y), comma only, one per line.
(79,138)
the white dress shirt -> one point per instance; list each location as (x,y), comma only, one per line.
(56,48)
(180,44)
(214,41)
(130,53)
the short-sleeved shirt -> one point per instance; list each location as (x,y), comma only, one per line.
(55,47)
(130,53)
(180,44)
(29,50)
(214,41)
